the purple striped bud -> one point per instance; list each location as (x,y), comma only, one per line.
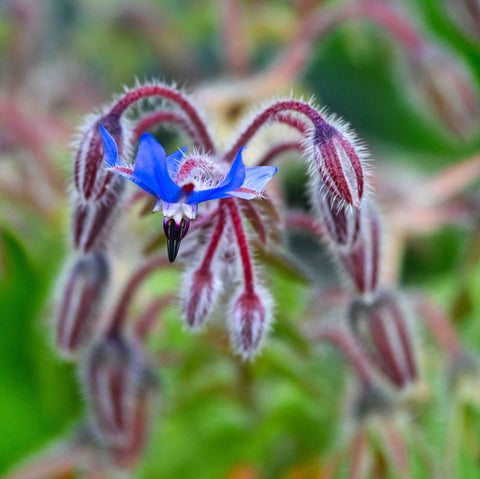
(342,224)
(93,220)
(91,178)
(362,260)
(383,328)
(120,383)
(340,162)
(199,294)
(80,302)
(249,321)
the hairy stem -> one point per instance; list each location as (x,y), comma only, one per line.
(169,94)
(118,317)
(242,245)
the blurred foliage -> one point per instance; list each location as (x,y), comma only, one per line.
(282,415)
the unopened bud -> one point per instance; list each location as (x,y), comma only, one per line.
(80,302)
(93,220)
(449,91)
(199,294)
(91,178)
(342,224)
(120,384)
(362,260)
(249,321)
(340,162)
(383,328)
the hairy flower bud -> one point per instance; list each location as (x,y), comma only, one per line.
(93,220)
(249,321)
(119,383)
(382,327)
(199,294)
(362,260)
(339,160)
(342,225)
(449,91)
(91,178)
(81,299)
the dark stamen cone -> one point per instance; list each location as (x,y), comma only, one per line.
(174,232)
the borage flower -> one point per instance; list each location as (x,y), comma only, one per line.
(181,182)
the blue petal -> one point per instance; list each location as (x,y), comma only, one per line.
(152,171)
(256,178)
(231,182)
(173,162)
(110,149)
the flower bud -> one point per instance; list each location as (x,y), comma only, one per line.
(84,291)
(340,162)
(199,294)
(382,327)
(249,321)
(449,91)
(119,383)
(91,179)
(93,220)
(342,224)
(362,260)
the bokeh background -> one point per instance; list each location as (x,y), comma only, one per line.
(286,414)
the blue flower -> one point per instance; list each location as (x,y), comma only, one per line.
(155,173)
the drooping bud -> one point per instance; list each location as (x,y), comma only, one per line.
(339,160)
(91,178)
(362,260)
(383,328)
(199,294)
(449,91)
(342,224)
(93,220)
(80,302)
(120,383)
(249,321)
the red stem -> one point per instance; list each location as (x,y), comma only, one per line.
(279,150)
(164,116)
(242,245)
(292,121)
(173,95)
(305,222)
(118,317)
(147,321)
(270,114)
(439,326)
(352,351)
(214,242)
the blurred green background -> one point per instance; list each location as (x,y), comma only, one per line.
(282,416)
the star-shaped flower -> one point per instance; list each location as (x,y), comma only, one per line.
(180,183)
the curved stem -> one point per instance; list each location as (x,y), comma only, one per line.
(277,150)
(352,351)
(164,116)
(269,114)
(169,94)
(118,317)
(255,219)
(242,245)
(148,320)
(214,242)
(305,222)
